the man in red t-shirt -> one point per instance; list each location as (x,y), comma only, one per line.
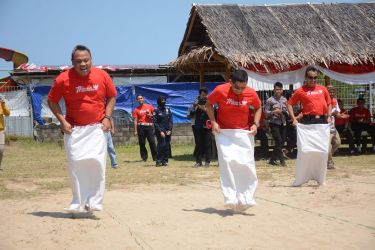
(89,96)
(144,128)
(316,110)
(360,118)
(235,143)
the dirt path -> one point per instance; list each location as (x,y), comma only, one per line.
(340,215)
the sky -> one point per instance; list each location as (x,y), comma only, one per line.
(116,31)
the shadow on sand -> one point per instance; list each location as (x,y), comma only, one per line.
(66,215)
(222,213)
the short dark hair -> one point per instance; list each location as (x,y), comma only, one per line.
(239,75)
(81,48)
(139,95)
(203,89)
(361,99)
(278,84)
(310,68)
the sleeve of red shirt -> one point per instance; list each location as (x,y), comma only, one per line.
(293,100)
(257,103)
(214,97)
(134,114)
(56,91)
(111,89)
(327,96)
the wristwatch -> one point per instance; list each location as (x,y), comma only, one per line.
(256,124)
(108,117)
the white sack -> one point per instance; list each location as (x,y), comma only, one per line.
(237,166)
(86,149)
(313,145)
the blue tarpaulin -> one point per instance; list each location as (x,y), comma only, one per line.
(179,97)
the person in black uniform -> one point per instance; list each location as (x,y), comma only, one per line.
(203,132)
(163,123)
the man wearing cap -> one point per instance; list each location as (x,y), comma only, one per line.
(144,128)
(163,123)
(89,96)
(235,139)
(312,130)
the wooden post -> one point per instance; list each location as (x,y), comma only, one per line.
(327,81)
(227,71)
(201,75)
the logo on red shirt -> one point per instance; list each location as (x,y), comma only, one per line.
(236,103)
(80,89)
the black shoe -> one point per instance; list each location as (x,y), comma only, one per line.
(197,165)
(272,162)
(164,164)
(283,163)
(158,164)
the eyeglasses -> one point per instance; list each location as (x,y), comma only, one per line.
(312,77)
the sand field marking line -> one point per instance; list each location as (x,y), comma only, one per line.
(138,240)
(328,217)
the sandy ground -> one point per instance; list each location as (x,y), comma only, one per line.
(340,215)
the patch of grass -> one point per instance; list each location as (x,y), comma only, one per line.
(43,166)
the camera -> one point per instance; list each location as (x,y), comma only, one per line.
(202,100)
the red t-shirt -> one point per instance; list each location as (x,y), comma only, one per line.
(233,112)
(357,113)
(139,113)
(341,121)
(261,121)
(314,100)
(85,97)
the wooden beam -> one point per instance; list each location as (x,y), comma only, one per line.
(186,38)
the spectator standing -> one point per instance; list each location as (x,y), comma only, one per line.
(335,140)
(4,111)
(277,113)
(163,122)
(203,133)
(261,134)
(144,128)
(110,147)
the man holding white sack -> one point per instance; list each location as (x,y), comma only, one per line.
(89,96)
(313,131)
(234,141)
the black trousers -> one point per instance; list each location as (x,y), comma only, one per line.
(262,137)
(163,148)
(203,145)
(291,139)
(357,129)
(146,132)
(278,134)
(348,135)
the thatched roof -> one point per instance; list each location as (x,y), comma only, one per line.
(280,35)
